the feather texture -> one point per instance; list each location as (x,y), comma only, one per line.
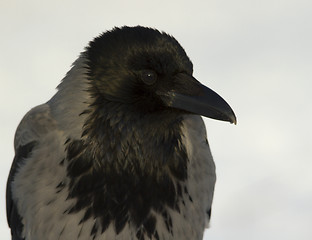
(110,156)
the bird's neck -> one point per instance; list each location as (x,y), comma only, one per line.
(127,164)
(128,140)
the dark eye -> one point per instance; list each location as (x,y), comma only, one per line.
(149,77)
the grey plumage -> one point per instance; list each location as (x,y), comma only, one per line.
(117,152)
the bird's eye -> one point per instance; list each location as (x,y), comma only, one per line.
(149,77)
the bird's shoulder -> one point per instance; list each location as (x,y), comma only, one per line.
(34,126)
(201,168)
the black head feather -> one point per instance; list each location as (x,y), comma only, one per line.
(130,64)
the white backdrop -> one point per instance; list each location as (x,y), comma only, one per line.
(256,54)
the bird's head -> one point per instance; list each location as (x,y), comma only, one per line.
(149,71)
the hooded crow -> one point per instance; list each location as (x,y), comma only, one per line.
(120,151)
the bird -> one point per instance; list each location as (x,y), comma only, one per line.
(120,151)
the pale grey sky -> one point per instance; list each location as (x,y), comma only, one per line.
(256,54)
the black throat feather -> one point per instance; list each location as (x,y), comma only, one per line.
(126,166)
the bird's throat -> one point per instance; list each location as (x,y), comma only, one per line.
(128,171)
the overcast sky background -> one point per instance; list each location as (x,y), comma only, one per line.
(256,54)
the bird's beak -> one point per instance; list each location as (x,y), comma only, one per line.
(190,95)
